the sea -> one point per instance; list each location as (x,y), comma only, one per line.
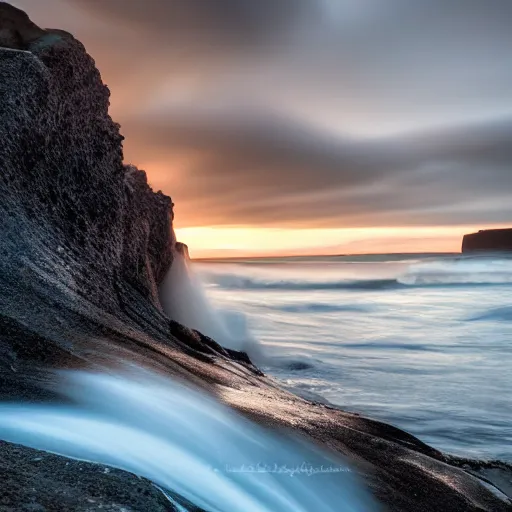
(420,341)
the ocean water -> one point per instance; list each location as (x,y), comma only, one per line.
(420,341)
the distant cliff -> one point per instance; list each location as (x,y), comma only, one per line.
(491,240)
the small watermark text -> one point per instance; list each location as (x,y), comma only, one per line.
(283,469)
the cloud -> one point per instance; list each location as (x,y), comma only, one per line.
(223,22)
(367,64)
(257,167)
(362,66)
(302,112)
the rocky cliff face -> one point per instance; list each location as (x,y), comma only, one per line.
(490,240)
(85,242)
(64,185)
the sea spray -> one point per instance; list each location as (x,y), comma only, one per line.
(186,443)
(184,300)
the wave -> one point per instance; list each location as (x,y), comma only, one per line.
(497,314)
(459,271)
(369,285)
(321,308)
(236,282)
(437,273)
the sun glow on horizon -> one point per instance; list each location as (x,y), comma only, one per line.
(240,241)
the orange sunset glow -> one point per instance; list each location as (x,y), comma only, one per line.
(239,241)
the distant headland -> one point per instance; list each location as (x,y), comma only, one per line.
(489,240)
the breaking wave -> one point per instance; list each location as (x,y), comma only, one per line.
(459,271)
(438,273)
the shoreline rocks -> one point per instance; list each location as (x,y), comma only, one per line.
(36,481)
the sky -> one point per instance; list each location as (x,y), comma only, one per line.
(310,126)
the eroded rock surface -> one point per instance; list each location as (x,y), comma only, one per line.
(35,481)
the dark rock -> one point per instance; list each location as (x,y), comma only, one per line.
(490,240)
(35,481)
(299,366)
(183,249)
(85,243)
(100,217)
(16,29)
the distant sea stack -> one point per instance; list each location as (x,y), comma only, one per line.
(488,240)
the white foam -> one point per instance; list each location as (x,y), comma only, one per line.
(184,300)
(184,442)
(459,271)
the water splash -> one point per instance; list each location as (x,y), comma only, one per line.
(186,443)
(184,300)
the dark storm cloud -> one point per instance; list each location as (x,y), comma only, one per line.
(367,65)
(263,168)
(239,20)
(236,23)
(262,150)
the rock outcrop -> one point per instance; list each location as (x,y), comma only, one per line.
(39,481)
(489,240)
(17,30)
(85,243)
(64,186)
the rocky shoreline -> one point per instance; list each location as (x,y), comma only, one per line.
(85,244)
(34,481)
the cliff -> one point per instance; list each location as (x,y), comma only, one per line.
(490,240)
(85,243)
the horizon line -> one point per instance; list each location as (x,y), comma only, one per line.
(331,255)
